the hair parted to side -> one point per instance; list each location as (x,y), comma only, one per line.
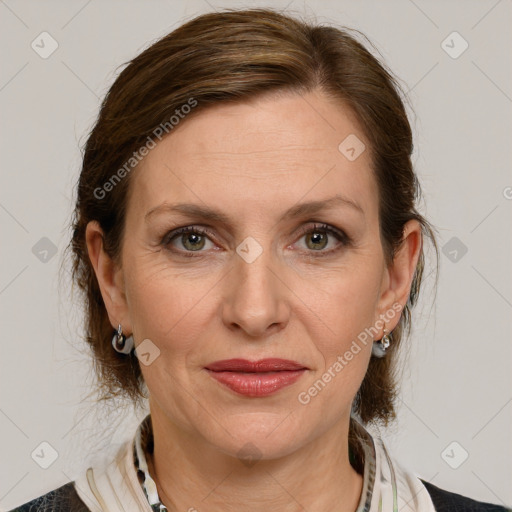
(236,56)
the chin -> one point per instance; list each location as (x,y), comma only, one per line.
(256,435)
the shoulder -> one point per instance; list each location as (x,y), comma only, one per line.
(63,499)
(445,501)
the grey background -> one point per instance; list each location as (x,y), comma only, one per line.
(457,384)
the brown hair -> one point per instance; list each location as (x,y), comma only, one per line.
(237,55)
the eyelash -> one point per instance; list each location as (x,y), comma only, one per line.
(338,234)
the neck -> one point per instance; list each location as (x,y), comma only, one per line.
(193,475)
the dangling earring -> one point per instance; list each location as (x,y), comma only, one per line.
(120,343)
(380,347)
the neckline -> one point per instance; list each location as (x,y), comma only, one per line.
(143,443)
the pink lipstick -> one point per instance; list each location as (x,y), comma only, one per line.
(256,378)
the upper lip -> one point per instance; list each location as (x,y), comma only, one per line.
(262,365)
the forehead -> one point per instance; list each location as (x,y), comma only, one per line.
(264,154)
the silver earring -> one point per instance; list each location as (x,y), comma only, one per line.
(121,343)
(380,347)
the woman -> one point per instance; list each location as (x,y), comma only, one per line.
(249,249)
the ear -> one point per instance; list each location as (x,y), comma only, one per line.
(110,278)
(399,273)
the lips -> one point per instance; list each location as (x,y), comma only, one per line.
(256,378)
(263,365)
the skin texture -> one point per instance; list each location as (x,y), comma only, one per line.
(254,161)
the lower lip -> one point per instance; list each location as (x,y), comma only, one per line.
(257,384)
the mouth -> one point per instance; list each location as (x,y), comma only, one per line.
(256,378)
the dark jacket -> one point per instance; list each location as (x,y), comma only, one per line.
(66,499)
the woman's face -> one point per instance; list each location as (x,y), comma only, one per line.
(263,282)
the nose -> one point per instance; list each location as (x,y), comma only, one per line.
(255,297)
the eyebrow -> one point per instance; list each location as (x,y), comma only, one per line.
(298,210)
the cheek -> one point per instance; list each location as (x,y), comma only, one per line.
(346,306)
(346,309)
(164,308)
(342,344)
(163,302)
